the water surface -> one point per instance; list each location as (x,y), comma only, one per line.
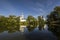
(25,34)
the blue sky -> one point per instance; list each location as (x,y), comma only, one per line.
(28,7)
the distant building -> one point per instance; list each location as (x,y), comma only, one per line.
(22,19)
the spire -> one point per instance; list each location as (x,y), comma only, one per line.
(22,13)
(22,19)
(22,16)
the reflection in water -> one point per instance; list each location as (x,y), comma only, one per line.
(30,28)
(29,33)
(55,29)
(45,27)
(22,28)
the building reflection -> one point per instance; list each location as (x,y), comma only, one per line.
(22,28)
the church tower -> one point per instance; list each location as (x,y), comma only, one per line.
(22,19)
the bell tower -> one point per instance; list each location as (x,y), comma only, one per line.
(22,19)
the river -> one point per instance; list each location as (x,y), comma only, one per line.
(25,34)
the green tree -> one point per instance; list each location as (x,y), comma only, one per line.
(9,23)
(3,21)
(31,21)
(54,16)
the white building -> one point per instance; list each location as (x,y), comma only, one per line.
(22,19)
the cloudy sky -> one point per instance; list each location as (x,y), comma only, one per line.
(28,7)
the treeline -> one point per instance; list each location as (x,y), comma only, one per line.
(10,22)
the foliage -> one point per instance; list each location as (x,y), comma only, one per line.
(54,21)
(54,16)
(10,22)
(31,21)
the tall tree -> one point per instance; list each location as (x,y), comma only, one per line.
(31,21)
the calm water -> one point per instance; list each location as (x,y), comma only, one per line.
(25,34)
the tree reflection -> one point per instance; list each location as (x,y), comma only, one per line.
(30,28)
(55,29)
(10,29)
(41,27)
(2,30)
